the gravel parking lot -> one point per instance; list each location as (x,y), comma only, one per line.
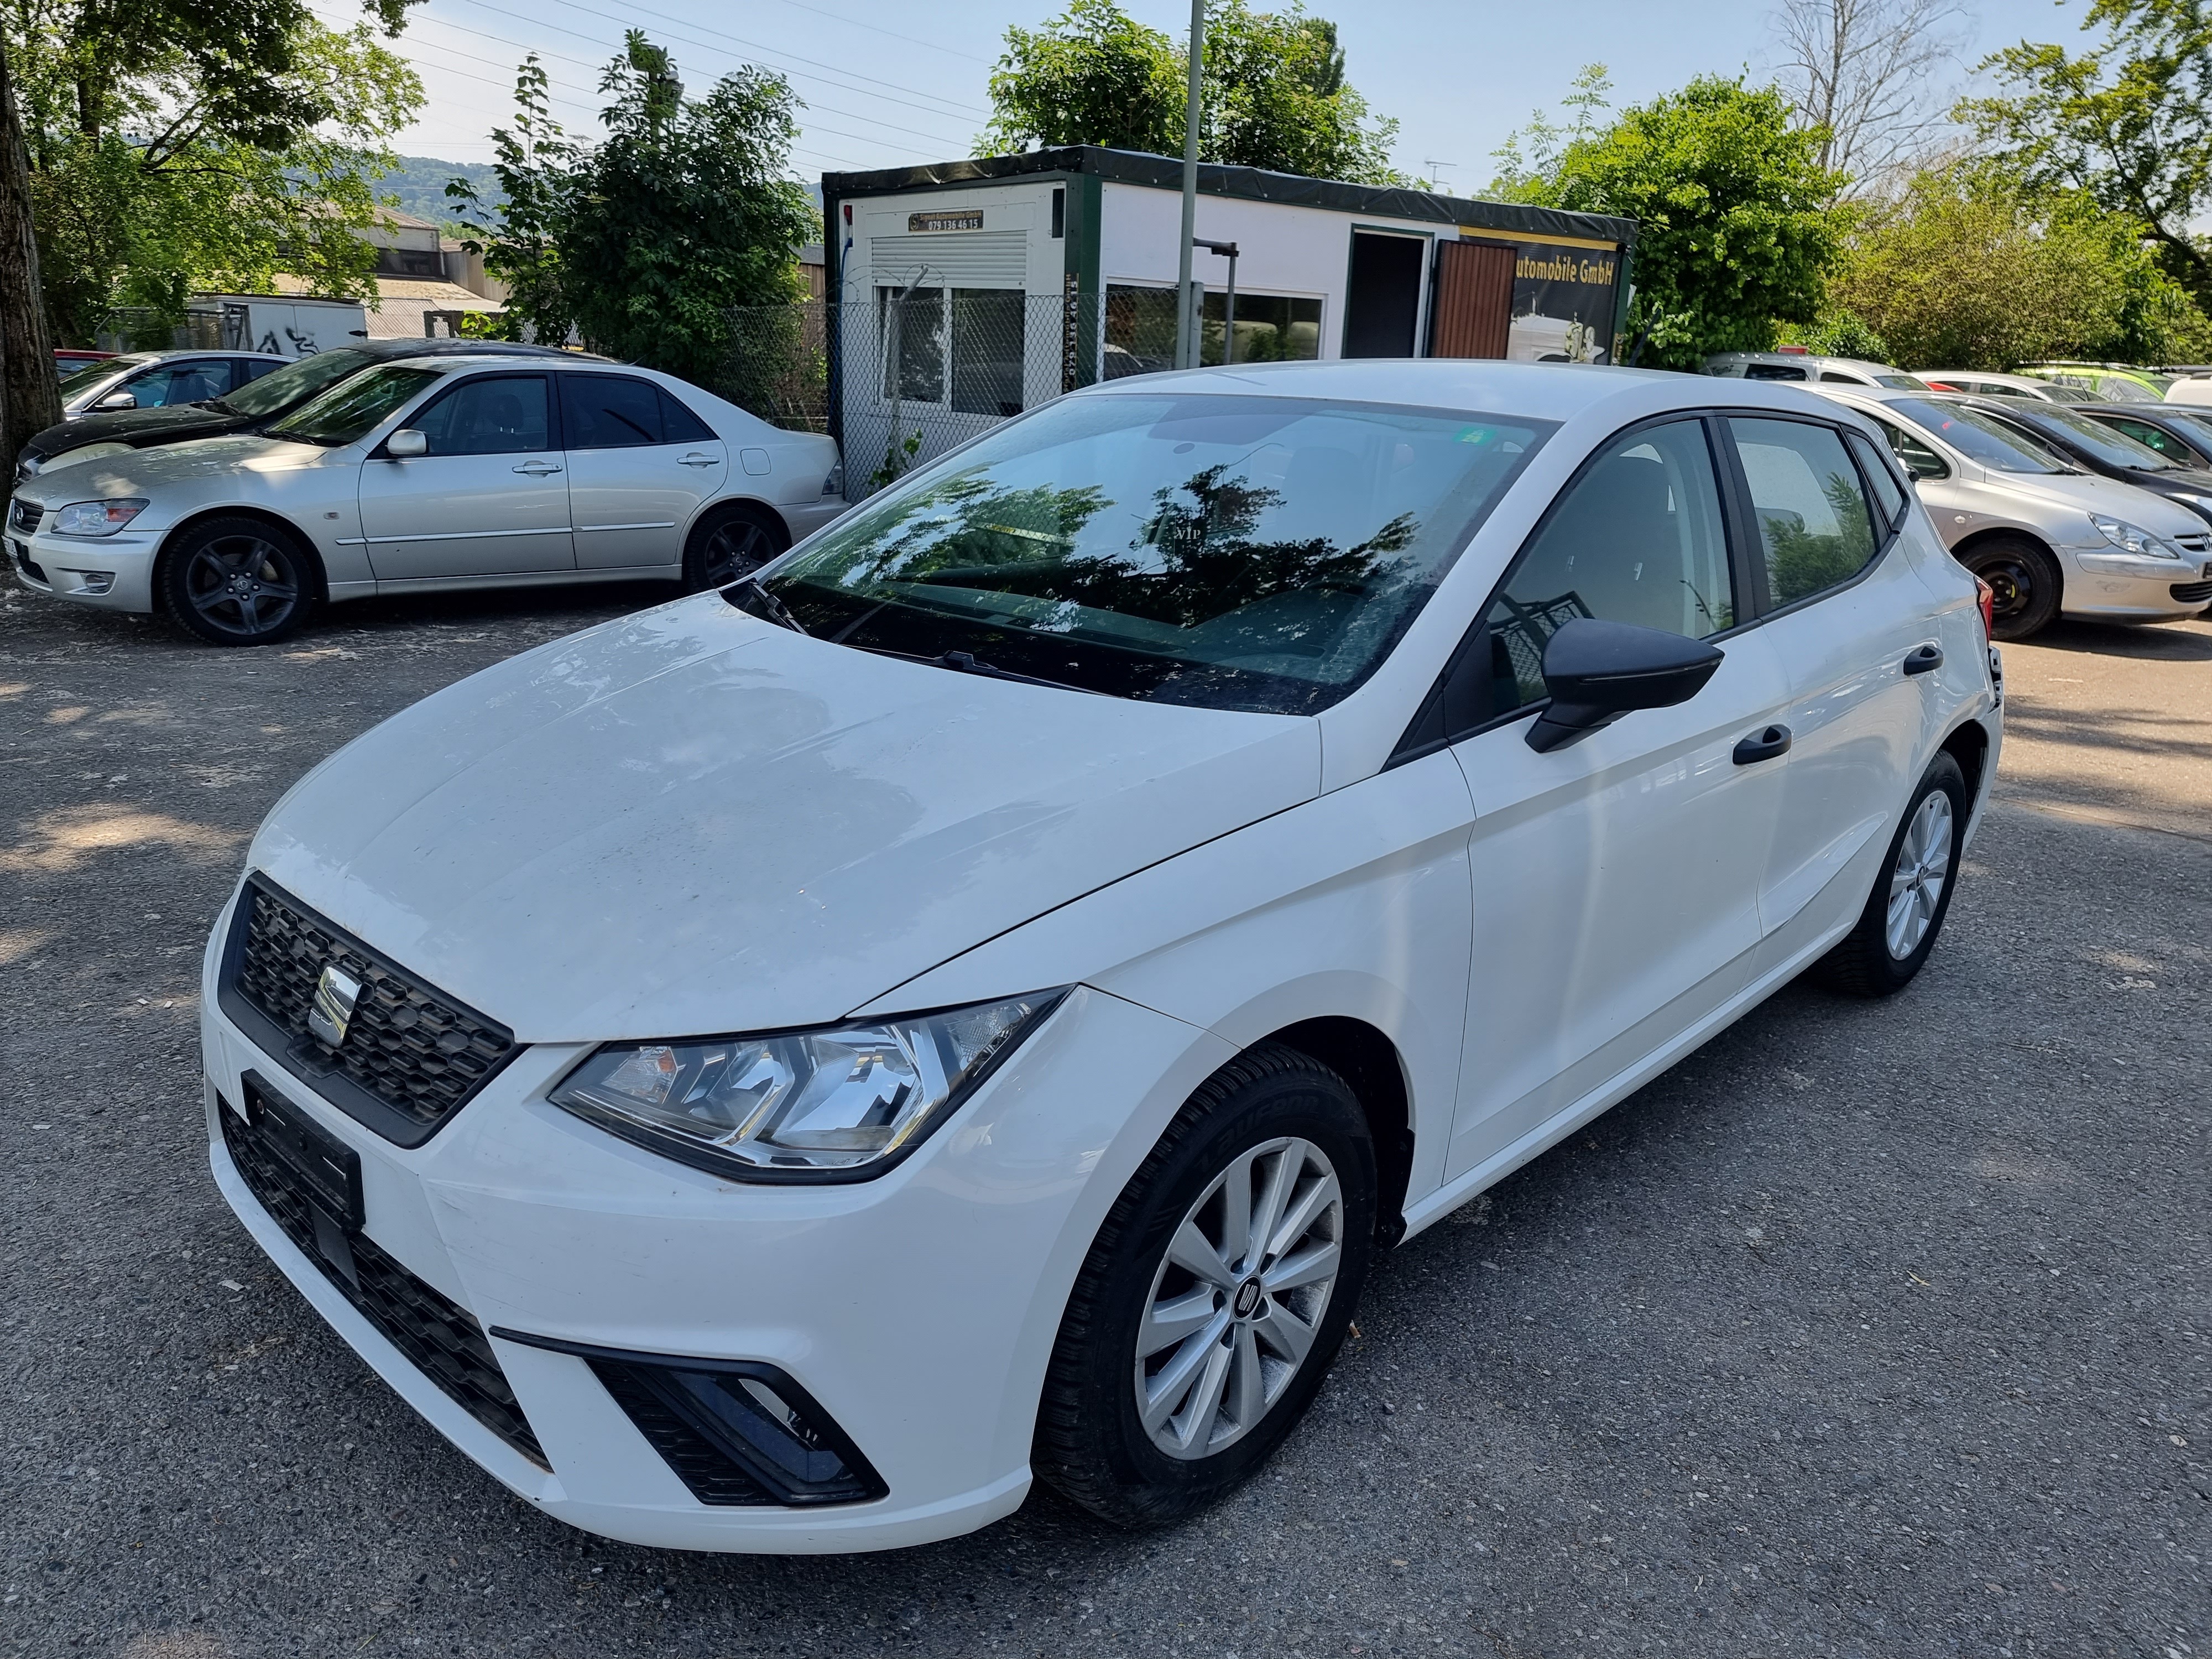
(1873,1329)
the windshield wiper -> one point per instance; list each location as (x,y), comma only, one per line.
(771,608)
(962,662)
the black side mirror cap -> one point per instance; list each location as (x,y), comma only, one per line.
(1596,672)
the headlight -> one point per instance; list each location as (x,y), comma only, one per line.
(97,517)
(2132,537)
(840,1104)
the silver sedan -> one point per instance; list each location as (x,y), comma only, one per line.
(424,475)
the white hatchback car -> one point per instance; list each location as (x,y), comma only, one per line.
(780,1070)
(421,475)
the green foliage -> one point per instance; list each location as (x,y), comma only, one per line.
(1735,228)
(1837,333)
(1801,561)
(645,242)
(1274,95)
(2128,125)
(417,185)
(177,146)
(1970,269)
(1530,154)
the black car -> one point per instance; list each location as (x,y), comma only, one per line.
(2091,443)
(246,407)
(2183,436)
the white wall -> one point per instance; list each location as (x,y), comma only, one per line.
(878,236)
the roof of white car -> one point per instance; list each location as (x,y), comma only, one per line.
(450,361)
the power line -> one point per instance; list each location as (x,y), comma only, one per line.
(854,22)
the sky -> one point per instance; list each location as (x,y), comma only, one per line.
(889,85)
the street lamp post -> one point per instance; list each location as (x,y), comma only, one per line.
(1226,250)
(1186,323)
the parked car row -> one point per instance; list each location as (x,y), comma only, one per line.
(407,467)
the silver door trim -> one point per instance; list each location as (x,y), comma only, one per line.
(464,534)
(658,524)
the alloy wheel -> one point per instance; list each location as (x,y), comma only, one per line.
(243,586)
(1916,884)
(1236,1304)
(736,547)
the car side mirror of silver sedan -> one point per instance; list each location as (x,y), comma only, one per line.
(116,400)
(406,443)
(1596,672)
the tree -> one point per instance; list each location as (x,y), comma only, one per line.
(163,145)
(1530,154)
(1734,230)
(1275,94)
(2130,124)
(648,241)
(1863,75)
(1968,272)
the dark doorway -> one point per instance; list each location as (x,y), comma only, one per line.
(1385,301)
(1473,316)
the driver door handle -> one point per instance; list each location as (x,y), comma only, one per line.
(538,469)
(697,459)
(1763,746)
(1926,660)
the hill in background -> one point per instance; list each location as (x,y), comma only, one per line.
(420,185)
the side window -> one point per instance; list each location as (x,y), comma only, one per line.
(1813,523)
(1919,461)
(680,424)
(609,411)
(180,383)
(1831,375)
(506,414)
(2144,432)
(246,369)
(1637,538)
(1889,494)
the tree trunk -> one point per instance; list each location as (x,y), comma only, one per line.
(29,402)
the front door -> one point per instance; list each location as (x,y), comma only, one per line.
(491,496)
(640,467)
(1615,880)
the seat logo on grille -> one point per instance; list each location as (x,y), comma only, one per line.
(335,994)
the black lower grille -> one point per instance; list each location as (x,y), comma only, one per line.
(410,1055)
(2191,593)
(700,1465)
(439,1337)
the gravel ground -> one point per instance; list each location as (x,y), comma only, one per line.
(1868,1329)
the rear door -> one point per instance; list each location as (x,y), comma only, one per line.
(491,496)
(1846,613)
(1616,879)
(640,467)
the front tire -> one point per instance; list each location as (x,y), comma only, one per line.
(239,582)
(1215,1296)
(1911,895)
(731,543)
(2025,584)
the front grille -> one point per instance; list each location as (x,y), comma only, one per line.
(2191,593)
(2199,542)
(24,516)
(410,1049)
(710,1475)
(439,1337)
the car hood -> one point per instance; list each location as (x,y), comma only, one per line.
(136,427)
(2092,492)
(689,821)
(143,471)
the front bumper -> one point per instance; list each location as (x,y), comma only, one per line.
(2105,584)
(115,572)
(917,1309)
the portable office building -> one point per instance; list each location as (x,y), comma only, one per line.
(970,290)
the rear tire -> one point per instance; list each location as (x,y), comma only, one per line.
(1911,895)
(1169,1385)
(2023,580)
(239,581)
(729,544)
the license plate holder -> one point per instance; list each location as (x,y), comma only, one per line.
(326,1171)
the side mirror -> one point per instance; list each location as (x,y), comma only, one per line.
(1596,672)
(116,400)
(405,444)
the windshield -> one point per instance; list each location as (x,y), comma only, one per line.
(2054,394)
(1901,382)
(294,383)
(1980,437)
(1234,552)
(352,408)
(93,373)
(2113,448)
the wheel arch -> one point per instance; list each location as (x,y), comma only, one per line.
(1366,1059)
(758,504)
(2019,532)
(276,521)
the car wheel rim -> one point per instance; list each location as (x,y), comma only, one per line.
(1237,1301)
(1915,885)
(2012,587)
(733,549)
(242,586)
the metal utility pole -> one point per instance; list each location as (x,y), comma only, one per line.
(1186,322)
(1226,250)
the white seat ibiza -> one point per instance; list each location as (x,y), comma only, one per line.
(781,1070)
